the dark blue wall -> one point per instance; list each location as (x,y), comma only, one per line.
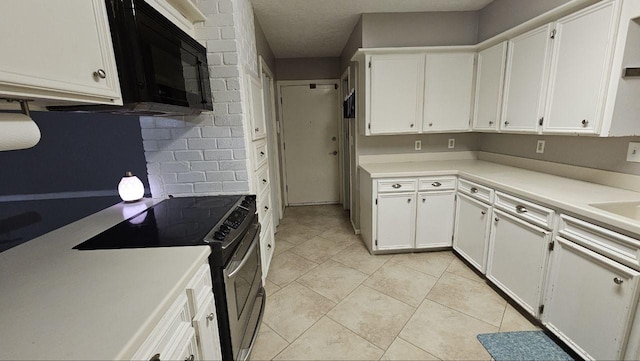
(77,152)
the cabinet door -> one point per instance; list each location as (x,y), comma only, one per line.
(259,129)
(206,326)
(448,91)
(434,221)
(582,51)
(517,256)
(51,49)
(590,301)
(489,82)
(396,221)
(473,221)
(526,80)
(396,93)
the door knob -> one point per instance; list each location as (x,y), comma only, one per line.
(335,152)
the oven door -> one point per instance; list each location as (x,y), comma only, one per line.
(243,285)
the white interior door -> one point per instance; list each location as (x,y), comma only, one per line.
(310,122)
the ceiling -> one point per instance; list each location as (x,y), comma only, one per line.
(321,28)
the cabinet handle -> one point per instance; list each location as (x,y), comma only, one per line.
(497,219)
(190,358)
(618,280)
(491,122)
(474,190)
(262,154)
(430,124)
(266,208)
(521,209)
(257,130)
(483,212)
(584,122)
(424,200)
(506,122)
(409,200)
(155,357)
(100,73)
(436,184)
(396,186)
(269,246)
(264,181)
(211,317)
(411,125)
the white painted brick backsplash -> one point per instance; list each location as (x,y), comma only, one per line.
(189,155)
(221,154)
(220,176)
(203,143)
(191,177)
(204,165)
(206,154)
(216,132)
(230,143)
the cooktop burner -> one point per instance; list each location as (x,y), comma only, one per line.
(170,223)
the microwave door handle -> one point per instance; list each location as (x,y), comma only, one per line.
(201,82)
(245,259)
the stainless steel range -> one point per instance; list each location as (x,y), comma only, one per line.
(229,225)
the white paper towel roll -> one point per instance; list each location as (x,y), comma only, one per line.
(17,131)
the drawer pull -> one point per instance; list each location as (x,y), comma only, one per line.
(521,209)
(497,219)
(618,280)
(424,200)
(266,208)
(483,212)
(474,190)
(100,74)
(155,357)
(396,186)
(190,358)
(264,181)
(257,130)
(211,317)
(436,184)
(269,246)
(262,154)
(409,200)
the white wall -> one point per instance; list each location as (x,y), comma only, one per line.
(207,154)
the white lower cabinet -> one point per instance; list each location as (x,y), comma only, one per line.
(395,221)
(473,222)
(517,258)
(205,323)
(434,220)
(590,301)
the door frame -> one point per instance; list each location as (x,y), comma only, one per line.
(344,148)
(284,83)
(272,127)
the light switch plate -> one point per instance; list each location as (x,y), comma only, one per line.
(540,147)
(452,143)
(633,153)
(418,144)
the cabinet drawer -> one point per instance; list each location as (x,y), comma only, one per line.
(167,330)
(536,214)
(437,183)
(199,288)
(267,247)
(616,246)
(260,153)
(475,190)
(262,180)
(264,208)
(397,185)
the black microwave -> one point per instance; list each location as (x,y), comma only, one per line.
(163,71)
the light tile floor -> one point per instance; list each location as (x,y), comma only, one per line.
(329,299)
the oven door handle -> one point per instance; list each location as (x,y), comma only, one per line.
(245,259)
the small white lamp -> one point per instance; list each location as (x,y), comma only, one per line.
(130,188)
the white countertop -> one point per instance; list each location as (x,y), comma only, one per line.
(60,303)
(569,195)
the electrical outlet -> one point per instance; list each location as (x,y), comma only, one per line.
(418,144)
(452,143)
(540,147)
(633,153)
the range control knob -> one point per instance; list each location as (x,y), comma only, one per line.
(224,229)
(219,236)
(245,203)
(250,198)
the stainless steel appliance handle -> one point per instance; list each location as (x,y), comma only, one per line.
(244,353)
(246,257)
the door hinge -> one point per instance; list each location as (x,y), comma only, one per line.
(452,238)
(553,34)
(540,121)
(369,126)
(284,146)
(552,245)
(376,201)
(335,86)
(369,63)
(376,243)
(541,309)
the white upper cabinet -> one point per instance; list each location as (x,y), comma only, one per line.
(448,91)
(582,49)
(489,85)
(57,50)
(258,125)
(526,80)
(395,93)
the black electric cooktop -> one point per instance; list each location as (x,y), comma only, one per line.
(173,222)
